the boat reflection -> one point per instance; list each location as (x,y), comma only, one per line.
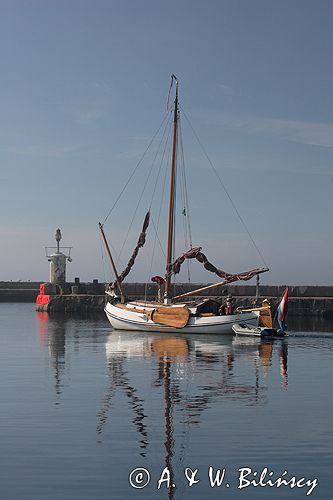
(193,372)
(119,378)
(176,379)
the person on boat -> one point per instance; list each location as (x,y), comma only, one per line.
(160,283)
(221,311)
(228,307)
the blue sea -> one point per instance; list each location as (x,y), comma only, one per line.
(88,413)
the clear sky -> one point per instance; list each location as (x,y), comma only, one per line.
(83,88)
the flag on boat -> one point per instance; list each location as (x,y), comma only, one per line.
(282,311)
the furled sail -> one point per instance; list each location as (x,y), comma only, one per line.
(195,253)
(140,243)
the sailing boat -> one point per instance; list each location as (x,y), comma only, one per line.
(170,315)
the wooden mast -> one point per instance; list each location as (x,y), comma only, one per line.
(112,261)
(170,241)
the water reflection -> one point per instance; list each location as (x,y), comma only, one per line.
(310,324)
(52,332)
(283,351)
(192,373)
(187,376)
(118,378)
(156,401)
(55,332)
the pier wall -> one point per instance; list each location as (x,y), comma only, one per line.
(303,300)
(19,291)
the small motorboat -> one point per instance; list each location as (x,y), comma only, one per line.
(266,329)
(256,331)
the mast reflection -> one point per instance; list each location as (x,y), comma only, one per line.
(118,378)
(193,372)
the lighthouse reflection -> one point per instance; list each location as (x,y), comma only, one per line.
(61,335)
(52,332)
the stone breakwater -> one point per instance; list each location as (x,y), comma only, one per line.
(89,297)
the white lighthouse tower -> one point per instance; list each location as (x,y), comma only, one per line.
(57,256)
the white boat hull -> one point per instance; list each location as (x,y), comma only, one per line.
(125,319)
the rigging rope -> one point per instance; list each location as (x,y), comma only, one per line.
(113,251)
(186,209)
(173,79)
(135,169)
(225,190)
(102,255)
(185,191)
(143,190)
(162,158)
(141,241)
(160,208)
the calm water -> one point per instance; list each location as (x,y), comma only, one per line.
(81,407)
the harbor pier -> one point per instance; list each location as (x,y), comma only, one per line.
(80,296)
